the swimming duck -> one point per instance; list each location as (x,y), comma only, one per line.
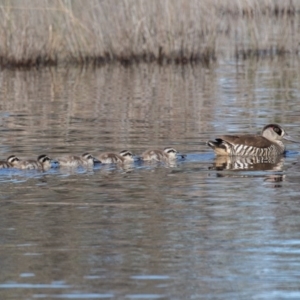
(168,154)
(124,156)
(43,163)
(85,160)
(269,142)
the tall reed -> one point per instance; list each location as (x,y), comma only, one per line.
(41,32)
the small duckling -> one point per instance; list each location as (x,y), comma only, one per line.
(13,160)
(43,163)
(4,164)
(124,156)
(166,155)
(86,160)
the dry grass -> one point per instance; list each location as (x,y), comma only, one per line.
(50,32)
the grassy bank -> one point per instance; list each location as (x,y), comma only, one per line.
(51,32)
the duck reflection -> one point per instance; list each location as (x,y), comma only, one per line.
(272,163)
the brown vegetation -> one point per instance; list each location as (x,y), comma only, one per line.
(51,32)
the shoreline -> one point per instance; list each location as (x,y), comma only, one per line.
(39,33)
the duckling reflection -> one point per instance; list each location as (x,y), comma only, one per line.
(255,163)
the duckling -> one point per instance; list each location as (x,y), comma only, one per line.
(124,156)
(166,155)
(43,163)
(85,160)
(13,160)
(4,164)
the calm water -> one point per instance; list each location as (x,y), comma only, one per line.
(203,228)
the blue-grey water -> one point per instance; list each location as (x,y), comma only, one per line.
(202,228)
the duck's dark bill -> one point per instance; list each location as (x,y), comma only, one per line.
(289,138)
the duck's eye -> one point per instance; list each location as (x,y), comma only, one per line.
(15,159)
(89,157)
(277,130)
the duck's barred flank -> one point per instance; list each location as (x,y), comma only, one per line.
(243,150)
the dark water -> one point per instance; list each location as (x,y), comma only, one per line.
(203,228)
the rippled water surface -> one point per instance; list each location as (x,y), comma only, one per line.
(201,228)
